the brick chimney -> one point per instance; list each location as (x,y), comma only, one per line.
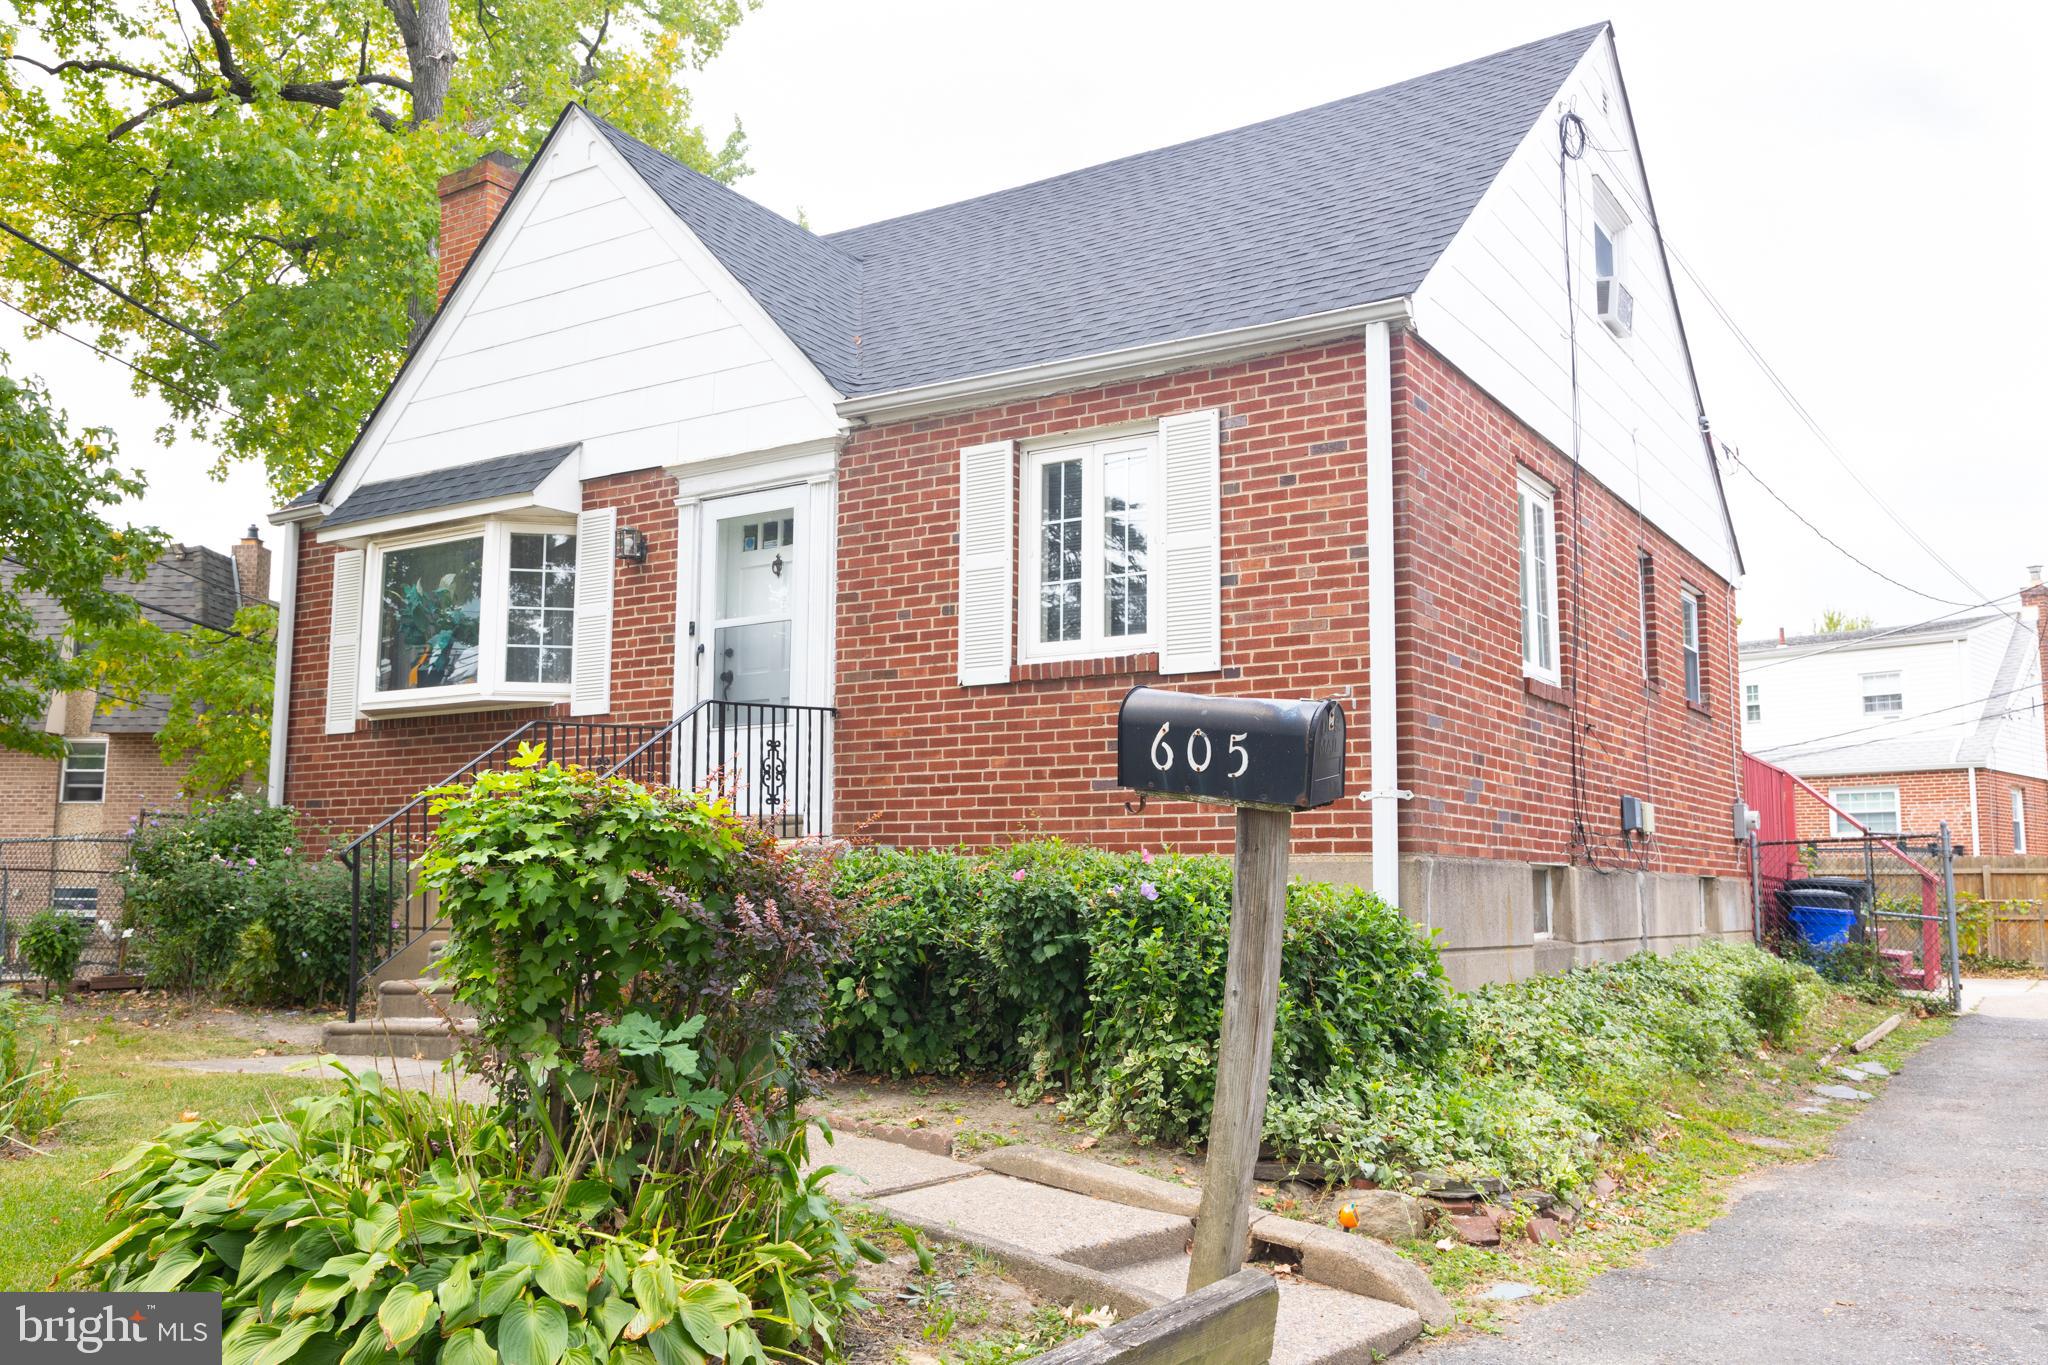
(471,200)
(252,568)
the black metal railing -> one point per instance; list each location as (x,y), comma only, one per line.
(771,762)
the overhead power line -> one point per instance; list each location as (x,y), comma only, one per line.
(151,375)
(1862,638)
(1812,424)
(1805,745)
(116,290)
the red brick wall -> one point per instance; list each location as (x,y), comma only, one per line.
(471,200)
(922,760)
(345,783)
(1928,798)
(137,780)
(1490,759)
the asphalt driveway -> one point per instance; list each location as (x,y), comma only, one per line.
(1923,1238)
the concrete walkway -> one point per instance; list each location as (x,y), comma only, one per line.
(1923,1238)
(410,1073)
(1078,1249)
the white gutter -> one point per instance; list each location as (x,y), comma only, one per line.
(1975,848)
(280,687)
(1129,362)
(1383,716)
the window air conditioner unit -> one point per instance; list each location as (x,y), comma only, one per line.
(1615,305)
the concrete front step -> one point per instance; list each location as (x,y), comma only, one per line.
(1317,1325)
(1058,1223)
(425,1037)
(420,998)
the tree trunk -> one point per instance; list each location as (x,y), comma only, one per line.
(429,35)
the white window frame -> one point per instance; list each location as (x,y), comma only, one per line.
(1536,506)
(1897,681)
(1843,796)
(71,747)
(1692,634)
(1752,702)
(491,684)
(2019,820)
(1095,642)
(1610,220)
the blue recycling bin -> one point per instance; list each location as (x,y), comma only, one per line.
(1824,919)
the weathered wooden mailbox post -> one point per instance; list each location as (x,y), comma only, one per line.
(1268,759)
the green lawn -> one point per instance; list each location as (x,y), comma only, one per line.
(50,1205)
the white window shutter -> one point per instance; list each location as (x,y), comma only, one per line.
(1191,624)
(344,642)
(590,686)
(987,602)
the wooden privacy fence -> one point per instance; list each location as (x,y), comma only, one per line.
(2013,921)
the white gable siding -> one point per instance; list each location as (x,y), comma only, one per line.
(594,316)
(1494,305)
(1814,723)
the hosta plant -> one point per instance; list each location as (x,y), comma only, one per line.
(376,1225)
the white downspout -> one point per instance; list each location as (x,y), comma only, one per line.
(281,683)
(1975,850)
(1383,716)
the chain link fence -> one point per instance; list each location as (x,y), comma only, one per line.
(78,876)
(1895,892)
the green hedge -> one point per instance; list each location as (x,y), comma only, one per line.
(1103,973)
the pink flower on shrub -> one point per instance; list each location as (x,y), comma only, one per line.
(1148,891)
(1019,875)
(1146,854)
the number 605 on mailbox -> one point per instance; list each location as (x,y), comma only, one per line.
(1241,751)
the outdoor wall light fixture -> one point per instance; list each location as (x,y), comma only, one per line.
(631,544)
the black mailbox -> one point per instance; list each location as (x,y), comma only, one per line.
(1242,751)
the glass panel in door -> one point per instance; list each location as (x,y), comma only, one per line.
(753,633)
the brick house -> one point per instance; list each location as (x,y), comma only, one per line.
(1909,726)
(893,517)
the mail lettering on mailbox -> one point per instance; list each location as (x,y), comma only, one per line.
(1243,751)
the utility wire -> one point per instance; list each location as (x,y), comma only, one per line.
(151,375)
(163,610)
(1735,458)
(1800,410)
(1864,639)
(116,290)
(1803,744)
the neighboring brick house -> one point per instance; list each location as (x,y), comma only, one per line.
(113,770)
(1289,410)
(1909,726)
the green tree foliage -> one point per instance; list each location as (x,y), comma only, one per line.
(1833,622)
(259,178)
(218,686)
(55,540)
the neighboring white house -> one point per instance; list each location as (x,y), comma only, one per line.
(1905,727)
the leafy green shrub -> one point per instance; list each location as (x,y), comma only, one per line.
(1779,995)
(379,1225)
(1050,962)
(34,1098)
(51,944)
(221,899)
(1857,969)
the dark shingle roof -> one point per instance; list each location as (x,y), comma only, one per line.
(189,585)
(1347,203)
(498,478)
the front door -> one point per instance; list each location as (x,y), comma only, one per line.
(759,740)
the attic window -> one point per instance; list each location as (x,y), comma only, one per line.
(1613,303)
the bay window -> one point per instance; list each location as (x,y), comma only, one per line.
(1088,554)
(478,611)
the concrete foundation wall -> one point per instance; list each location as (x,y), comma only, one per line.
(1483,911)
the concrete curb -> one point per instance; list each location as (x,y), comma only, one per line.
(924,1140)
(1059,1280)
(1358,1265)
(1066,1171)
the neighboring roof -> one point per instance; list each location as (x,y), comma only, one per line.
(498,478)
(1347,203)
(1946,628)
(188,585)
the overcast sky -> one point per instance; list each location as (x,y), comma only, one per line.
(1861,186)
